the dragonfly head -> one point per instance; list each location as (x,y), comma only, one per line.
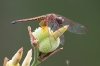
(60,20)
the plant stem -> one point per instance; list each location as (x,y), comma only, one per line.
(34,43)
(35,62)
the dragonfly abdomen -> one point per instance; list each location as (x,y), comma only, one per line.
(28,19)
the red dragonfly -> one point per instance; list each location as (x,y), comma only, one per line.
(56,21)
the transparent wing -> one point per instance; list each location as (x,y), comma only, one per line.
(55,26)
(73,26)
(62,40)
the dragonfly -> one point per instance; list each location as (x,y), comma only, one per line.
(56,21)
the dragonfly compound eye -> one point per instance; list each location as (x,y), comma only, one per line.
(59,20)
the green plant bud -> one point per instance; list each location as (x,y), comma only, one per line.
(48,40)
(42,33)
(49,44)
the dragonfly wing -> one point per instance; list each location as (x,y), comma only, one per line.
(62,40)
(73,26)
(52,26)
(55,26)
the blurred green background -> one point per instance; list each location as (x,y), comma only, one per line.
(79,50)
